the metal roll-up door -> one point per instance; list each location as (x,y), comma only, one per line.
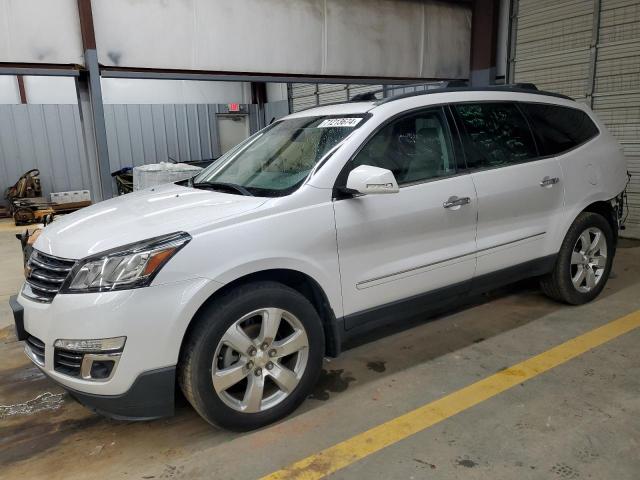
(331,93)
(306,95)
(303,96)
(552,45)
(616,97)
(589,50)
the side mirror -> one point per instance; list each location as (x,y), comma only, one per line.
(369,180)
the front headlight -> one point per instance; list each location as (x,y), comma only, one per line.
(131,266)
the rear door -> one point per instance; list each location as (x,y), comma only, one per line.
(398,246)
(520,193)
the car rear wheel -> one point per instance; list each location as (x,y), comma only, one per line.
(584,261)
(253,356)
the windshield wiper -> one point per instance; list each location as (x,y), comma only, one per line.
(223,186)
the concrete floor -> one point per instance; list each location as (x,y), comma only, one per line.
(580,420)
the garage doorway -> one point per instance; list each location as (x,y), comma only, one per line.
(233,129)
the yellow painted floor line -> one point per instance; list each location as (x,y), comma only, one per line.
(366,443)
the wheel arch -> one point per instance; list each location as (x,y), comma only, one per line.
(602,207)
(605,209)
(298,281)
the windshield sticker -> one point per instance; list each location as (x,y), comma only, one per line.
(340,122)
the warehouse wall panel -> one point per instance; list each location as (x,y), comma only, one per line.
(589,50)
(616,96)
(142,134)
(553,45)
(380,38)
(47,137)
(276,110)
(40,31)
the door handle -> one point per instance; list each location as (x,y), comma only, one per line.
(454,201)
(549,181)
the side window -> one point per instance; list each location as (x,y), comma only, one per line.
(497,134)
(415,148)
(558,129)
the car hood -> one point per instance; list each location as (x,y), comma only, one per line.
(138,216)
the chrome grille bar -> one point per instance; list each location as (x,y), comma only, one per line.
(45,276)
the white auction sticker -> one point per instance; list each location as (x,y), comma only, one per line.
(339,122)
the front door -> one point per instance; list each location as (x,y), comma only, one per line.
(394,247)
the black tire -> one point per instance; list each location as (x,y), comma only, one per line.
(195,366)
(558,284)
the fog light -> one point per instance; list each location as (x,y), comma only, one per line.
(98,345)
(101,369)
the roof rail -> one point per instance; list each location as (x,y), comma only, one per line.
(514,87)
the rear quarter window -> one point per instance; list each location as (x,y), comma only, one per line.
(558,129)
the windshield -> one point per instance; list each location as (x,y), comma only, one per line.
(276,161)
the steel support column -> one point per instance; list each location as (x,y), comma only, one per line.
(484,37)
(21,89)
(511,42)
(88,136)
(259,98)
(89,88)
(94,127)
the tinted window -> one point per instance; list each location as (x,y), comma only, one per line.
(558,129)
(415,148)
(497,134)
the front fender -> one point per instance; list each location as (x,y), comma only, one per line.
(330,284)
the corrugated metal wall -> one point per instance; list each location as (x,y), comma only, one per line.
(47,137)
(589,50)
(142,134)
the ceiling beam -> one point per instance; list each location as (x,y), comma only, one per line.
(39,69)
(165,74)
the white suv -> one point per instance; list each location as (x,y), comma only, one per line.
(329,222)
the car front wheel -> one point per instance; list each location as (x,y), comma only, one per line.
(253,356)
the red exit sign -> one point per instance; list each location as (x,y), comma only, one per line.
(234,107)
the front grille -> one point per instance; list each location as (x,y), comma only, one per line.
(45,276)
(67,362)
(36,347)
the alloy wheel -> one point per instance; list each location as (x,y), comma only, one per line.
(260,360)
(588,259)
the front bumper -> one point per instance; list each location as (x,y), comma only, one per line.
(18,318)
(153,320)
(151,396)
